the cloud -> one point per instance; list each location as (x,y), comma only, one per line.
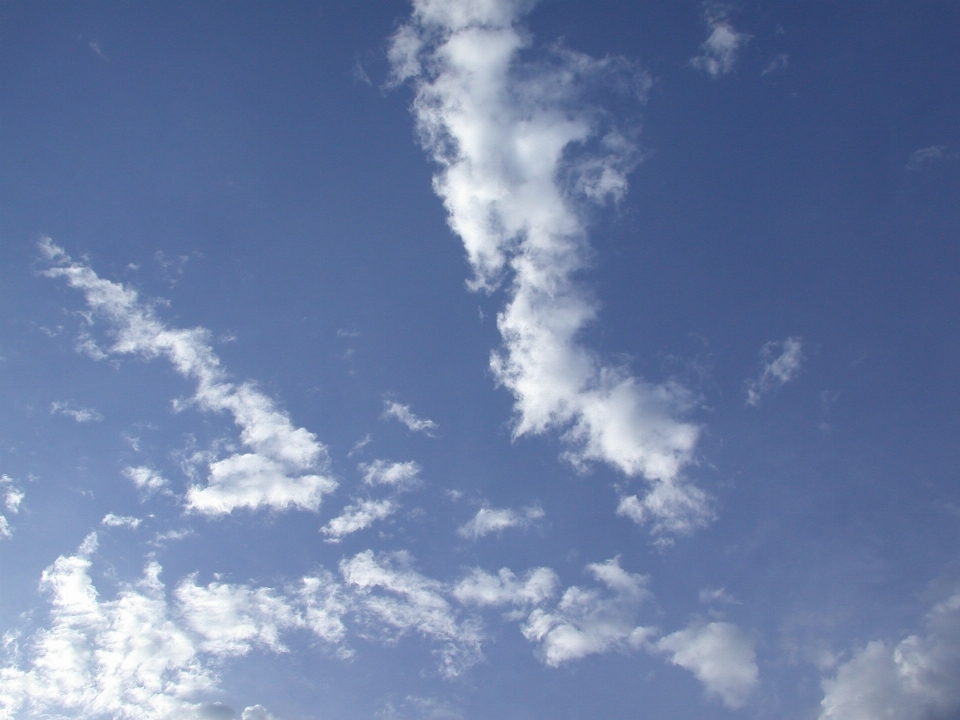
(719,655)
(286,465)
(396,474)
(780,61)
(81,415)
(12,497)
(124,658)
(719,51)
(142,657)
(485,590)
(916,679)
(145,478)
(589,621)
(929,155)
(780,363)
(496,520)
(357,517)
(521,154)
(405,415)
(390,593)
(120,521)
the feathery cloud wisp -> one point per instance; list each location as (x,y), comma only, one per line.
(780,363)
(404,414)
(719,51)
(285,466)
(496,520)
(81,415)
(513,141)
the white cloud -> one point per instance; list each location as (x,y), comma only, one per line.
(404,414)
(356,517)
(145,478)
(483,589)
(589,621)
(780,61)
(916,679)
(286,464)
(123,658)
(400,475)
(496,520)
(390,593)
(121,521)
(257,712)
(81,415)
(780,363)
(719,655)
(513,141)
(12,497)
(718,595)
(719,51)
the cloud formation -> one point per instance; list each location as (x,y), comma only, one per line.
(719,655)
(496,520)
(521,153)
(916,679)
(81,415)
(930,155)
(12,497)
(285,466)
(404,414)
(780,363)
(718,54)
(357,516)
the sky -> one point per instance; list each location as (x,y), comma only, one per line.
(467,359)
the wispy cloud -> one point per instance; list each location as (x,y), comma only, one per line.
(719,655)
(394,474)
(81,415)
(145,478)
(286,465)
(12,497)
(780,61)
(120,521)
(520,152)
(496,520)
(914,679)
(357,516)
(930,155)
(719,52)
(404,414)
(780,362)
(392,594)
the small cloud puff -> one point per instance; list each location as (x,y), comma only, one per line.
(719,51)
(120,521)
(395,474)
(405,415)
(930,155)
(358,516)
(496,520)
(145,478)
(12,497)
(780,363)
(81,415)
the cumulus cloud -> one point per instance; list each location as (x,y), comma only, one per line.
(915,679)
(12,497)
(719,655)
(285,466)
(120,521)
(404,414)
(780,363)
(357,516)
(718,54)
(81,415)
(521,152)
(142,656)
(394,596)
(395,474)
(496,520)
(485,590)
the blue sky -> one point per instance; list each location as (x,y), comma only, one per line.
(479,359)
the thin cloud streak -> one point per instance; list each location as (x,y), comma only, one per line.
(780,363)
(520,151)
(285,468)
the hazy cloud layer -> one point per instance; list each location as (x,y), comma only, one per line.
(286,465)
(916,679)
(520,151)
(780,362)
